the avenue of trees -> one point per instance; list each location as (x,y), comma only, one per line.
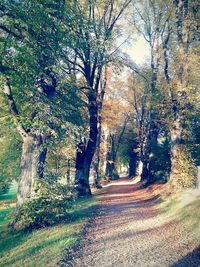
(75,110)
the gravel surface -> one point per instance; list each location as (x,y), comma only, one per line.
(130,232)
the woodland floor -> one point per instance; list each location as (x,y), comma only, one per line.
(131,231)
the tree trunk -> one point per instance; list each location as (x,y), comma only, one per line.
(151,142)
(82,185)
(176,133)
(68,171)
(32,166)
(83,166)
(151,134)
(145,169)
(95,168)
(110,157)
(96,160)
(95,171)
(109,168)
(132,163)
(183,23)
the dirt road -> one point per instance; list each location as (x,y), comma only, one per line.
(131,232)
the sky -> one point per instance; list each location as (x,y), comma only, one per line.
(138,50)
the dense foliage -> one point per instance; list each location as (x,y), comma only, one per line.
(9,156)
(48,205)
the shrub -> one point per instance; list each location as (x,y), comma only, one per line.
(4,188)
(115,175)
(188,172)
(47,206)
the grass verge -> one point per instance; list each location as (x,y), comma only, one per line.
(185,207)
(43,247)
(11,195)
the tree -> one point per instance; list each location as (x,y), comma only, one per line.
(91,26)
(177,39)
(31,81)
(128,151)
(184,18)
(152,17)
(96,158)
(115,118)
(169,29)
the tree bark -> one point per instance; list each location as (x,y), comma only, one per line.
(68,171)
(32,166)
(148,156)
(96,160)
(132,163)
(95,167)
(151,133)
(176,136)
(83,167)
(183,37)
(110,157)
(109,163)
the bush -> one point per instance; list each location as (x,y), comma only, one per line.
(47,206)
(4,188)
(115,176)
(188,171)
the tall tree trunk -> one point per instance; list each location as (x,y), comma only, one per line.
(112,149)
(32,166)
(79,178)
(147,156)
(183,36)
(96,159)
(95,173)
(110,157)
(109,164)
(82,185)
(68,171)
(95,167)
(132,163)
(151,133)
(83,168)
(153,156)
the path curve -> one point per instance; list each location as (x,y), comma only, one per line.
(130,232)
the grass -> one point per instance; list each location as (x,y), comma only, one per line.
(185,207)
(44,247)
(11,195)
(6,201)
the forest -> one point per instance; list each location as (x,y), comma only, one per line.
(89,132)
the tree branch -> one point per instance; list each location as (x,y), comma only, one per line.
(5,29)
(13,108)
